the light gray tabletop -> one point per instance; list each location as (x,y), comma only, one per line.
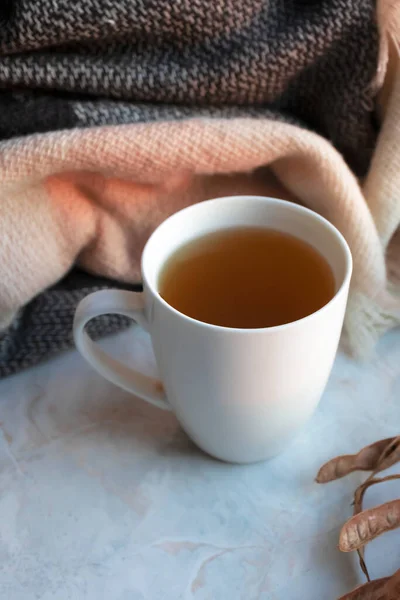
(103,496)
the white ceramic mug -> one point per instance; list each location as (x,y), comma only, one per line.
(240,394)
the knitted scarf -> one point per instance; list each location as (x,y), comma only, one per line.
(116,113)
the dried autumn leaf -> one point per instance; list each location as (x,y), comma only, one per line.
(366,460)
(368,525)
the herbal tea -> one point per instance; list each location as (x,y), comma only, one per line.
(247,278)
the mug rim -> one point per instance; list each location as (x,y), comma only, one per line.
(271,200)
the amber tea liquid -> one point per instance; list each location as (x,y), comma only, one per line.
(247,278)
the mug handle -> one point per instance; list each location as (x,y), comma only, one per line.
(129,304)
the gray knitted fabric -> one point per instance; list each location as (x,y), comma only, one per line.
(85,63)
(45,325)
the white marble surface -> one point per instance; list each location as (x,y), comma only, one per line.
(103,496)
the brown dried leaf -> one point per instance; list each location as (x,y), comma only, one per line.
(368,525)
(367,459)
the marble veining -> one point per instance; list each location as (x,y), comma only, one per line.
(104,497)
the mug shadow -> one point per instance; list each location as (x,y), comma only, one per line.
(128,423)
(127,420)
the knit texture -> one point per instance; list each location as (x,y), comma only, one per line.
(46,322)
(129,111)
(100,62)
